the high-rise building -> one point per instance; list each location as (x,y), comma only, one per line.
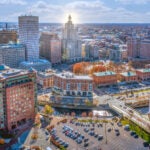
(71,45)
(7,36)
(17,97)
(12,54)
(138,48)
(29,36)
(50,47)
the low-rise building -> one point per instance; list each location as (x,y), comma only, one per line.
(105,78)
(17,97)
(73,85)
(128,77)
(45,79)
(143,74)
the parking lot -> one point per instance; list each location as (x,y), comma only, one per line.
(122,87)
(100,136)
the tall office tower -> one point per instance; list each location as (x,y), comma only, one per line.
(17,97)
(50,47)
(7,36)
(12,54)
(29,35)
(71,45)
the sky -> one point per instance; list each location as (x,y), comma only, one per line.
(82,11)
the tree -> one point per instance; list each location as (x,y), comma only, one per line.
(84,114)
(90,114)
(48,109)
(37,119)
(73,114)
(2,141)
(80,68)
(98,68)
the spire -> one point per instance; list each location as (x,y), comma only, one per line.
(69,17)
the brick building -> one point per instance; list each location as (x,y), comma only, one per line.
(45,79)
(73,85)
(17,97)
(7,36)
(105,78)
(138,48)
(128,76)
(143,74)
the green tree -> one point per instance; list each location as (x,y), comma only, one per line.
(48,109)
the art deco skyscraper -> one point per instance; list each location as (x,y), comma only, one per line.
(71,45)
(29,35)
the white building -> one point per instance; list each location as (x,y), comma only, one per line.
(29,35)
(71,45)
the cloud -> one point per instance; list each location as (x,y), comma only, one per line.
(16,2)
(85,12)
(138,2)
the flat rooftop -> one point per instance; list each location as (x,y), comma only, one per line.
(5,46)
(69,75)
(128,74)
(145,70)
(46,74)
(106,73)
(10,72)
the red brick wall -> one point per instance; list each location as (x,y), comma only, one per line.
(19,101)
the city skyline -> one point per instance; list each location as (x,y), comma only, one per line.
(85,11)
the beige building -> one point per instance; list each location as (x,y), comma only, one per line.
(45,79)
(50,47)
(7,36)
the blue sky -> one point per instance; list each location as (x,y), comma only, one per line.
(83,11)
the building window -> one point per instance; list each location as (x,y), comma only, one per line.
(90,87)
(68,86)
(79,86)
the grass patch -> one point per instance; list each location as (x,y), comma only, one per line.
(139,131)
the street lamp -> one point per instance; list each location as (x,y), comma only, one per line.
(105,134)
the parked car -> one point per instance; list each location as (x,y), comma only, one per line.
(109,130)
(145,144)
(127,128)
(86,144)
(136,136)
(100,137)
(117,134)
(132,133)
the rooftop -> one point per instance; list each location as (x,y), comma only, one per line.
(5,46)
(69,75)
(106,73)
(128,74)
(10,72)
(144,70)
(47,73)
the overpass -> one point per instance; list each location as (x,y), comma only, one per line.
(131,114)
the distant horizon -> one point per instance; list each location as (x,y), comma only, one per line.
(82,11)
(3,22)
